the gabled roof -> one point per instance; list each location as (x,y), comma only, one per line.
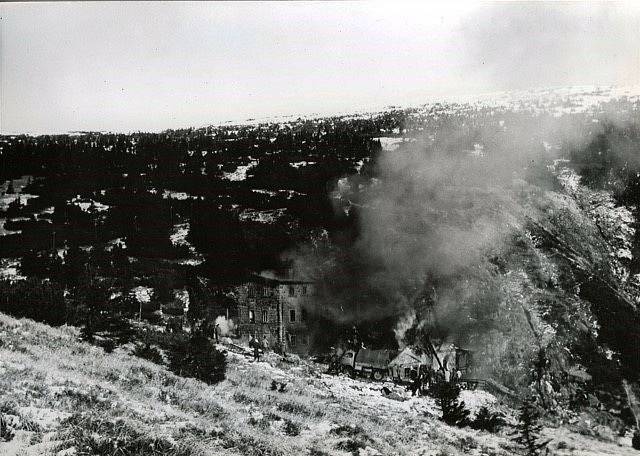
(407,356)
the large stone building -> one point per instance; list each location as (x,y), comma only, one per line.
(277,309)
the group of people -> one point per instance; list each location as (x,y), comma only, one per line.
(210,329)
(258,346)
(423,378)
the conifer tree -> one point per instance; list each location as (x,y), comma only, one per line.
(454,413)
(198,358)
(528,429)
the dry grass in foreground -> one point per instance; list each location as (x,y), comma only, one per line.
(61,396)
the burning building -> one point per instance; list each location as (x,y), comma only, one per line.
(275,309)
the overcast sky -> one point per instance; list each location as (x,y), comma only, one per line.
(151,66)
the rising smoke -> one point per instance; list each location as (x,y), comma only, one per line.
(429,226)
(225,327)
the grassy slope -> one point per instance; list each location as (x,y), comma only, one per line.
(59,393)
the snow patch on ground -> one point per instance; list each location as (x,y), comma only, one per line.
(181,196)
(179,234)
(7,199)
(9,269)
(118,242)
(178,237)
(48,210)
(271,216)
(286,193)
(389,144)
(291,193)
(264,192)
(88,205)
(240,173)
(301,164)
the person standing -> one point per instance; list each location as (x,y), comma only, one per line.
(256,348)
(416,384)
(428,377)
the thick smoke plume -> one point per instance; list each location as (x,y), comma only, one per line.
(225,327)
(430,225)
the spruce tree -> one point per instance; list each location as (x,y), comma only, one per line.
(198,358)
(454,413)
(528,429)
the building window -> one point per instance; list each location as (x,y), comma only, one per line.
(265,291)
(304,290)
(265,316)
(252,316)
(251,291)
(303,314)
(292,290)
(292,315)
(292,340)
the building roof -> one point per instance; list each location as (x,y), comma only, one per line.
(407,356)
(276,280)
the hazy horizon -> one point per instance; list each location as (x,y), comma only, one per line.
(153,66)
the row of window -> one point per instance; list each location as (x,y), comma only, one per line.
(265,316)
(253,291)
(292,290)
(293,339)
(252,316)
(264,291)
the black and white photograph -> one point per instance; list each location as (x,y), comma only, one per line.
(320,228)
